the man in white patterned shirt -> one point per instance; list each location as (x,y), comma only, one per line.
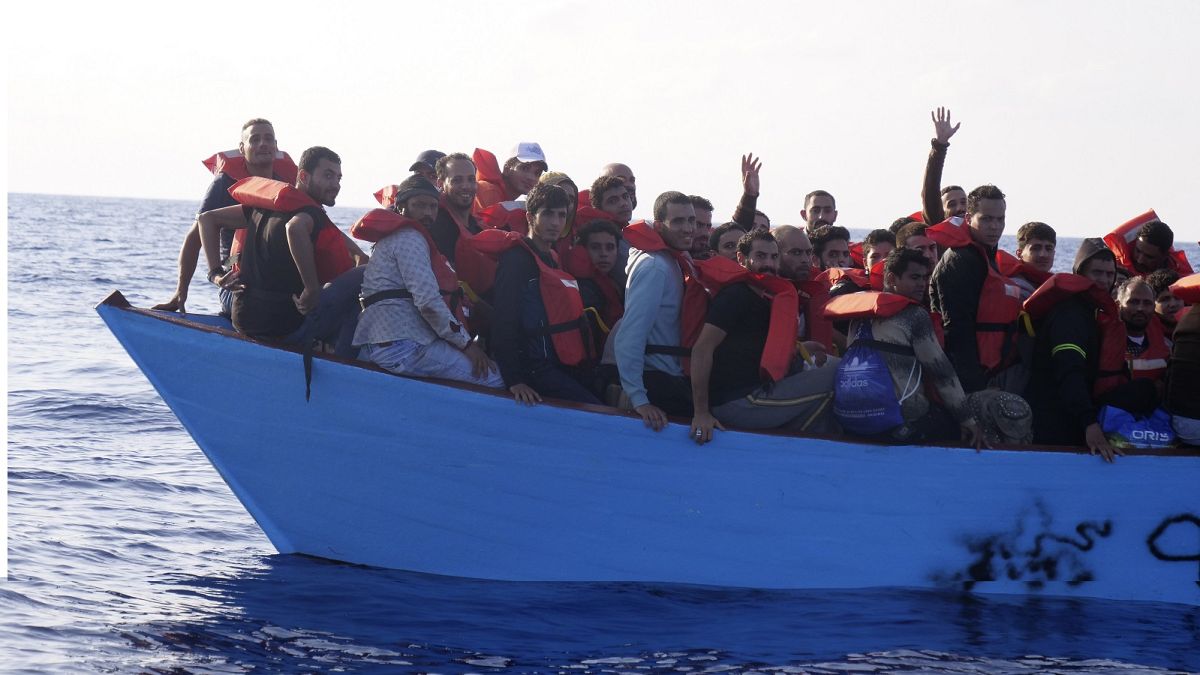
(417,334)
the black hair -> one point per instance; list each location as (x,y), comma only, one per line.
(310,158)
(1157,233)
(596,227)
(899,259)
(440,168)
(714,237)
(660,204)
(747,241)
(825,234)
(543,197)
(981,193)
(701,203)
(1035,230)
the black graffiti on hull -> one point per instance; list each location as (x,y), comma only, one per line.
(1166,524)
(1047,556)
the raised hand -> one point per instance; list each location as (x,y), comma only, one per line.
(941,125)
(750,167)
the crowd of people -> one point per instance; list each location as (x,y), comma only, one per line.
(509,276)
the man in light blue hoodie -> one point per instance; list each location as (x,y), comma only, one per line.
(647,345)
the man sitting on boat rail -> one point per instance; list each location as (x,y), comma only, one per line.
(744,360)
(298,279)
(409,328)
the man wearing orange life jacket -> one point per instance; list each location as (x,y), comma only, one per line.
(1034,262)
(875,247)
(704,211)
(820,210)
(903,335)
(1145,244)
(426,165)
(590,260)
(412,322)
(979,306)
(912,235)
(740,376)
(1182,396)
(1079,355)
(289,256)
(618,170)
(539,332)
(1147,346)
(831,246)
(1167,306)
(258,155)
(796,265)
(525,164)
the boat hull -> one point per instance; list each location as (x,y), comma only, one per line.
(403,473)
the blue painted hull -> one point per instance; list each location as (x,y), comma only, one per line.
(403,473)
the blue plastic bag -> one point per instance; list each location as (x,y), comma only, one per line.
(1126,430)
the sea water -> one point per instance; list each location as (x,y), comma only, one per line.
(127,553)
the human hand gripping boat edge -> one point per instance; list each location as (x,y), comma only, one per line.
(422,475)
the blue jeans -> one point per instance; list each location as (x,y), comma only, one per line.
(335,316)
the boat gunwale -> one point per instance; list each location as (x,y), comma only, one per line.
(117,300)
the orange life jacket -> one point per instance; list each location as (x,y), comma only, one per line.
(999,304)
(330,253)
(1112,370)
(489,178)
(813,295)
(642,236)
(560,294)
(1187,289)
(233,164)
(1151,364)
(857,258)
(509,216)
(1012,266)
(377,224)
(1121,242)
(866,305)
(578,263)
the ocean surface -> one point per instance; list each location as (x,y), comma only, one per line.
(127,553)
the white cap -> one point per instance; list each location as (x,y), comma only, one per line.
(528,152)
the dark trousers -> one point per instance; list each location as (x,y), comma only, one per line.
(561,382)
(671,393)
(336,315)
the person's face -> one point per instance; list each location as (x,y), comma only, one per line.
(925,245)
(763,257)
(626,174)
(679,228)
(1137,309)
(426,171)
(525,175)
(602,249)
(819,211)
(761,223)
(700,239)
(877,252)
(258,145)
(546,226)
(572,192)
(1102,273)
(911,284)
(703,219)
(954,203)
(1147,257)
(324,183)
(795,256)
(835,254)
(421,208)
(459,185)
(1039,253)
(987,224)
(727,244)
(617,202)
(1167,305)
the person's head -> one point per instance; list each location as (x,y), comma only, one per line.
(609,194)
(795,252)
(954,201)
(761,222)
(877,245)
(599,239)
(704,211)
(524,166)
(900,222)
(675,219)
(906,272)
(1154,240)
(819,210)
(1136,301)
(1035,245)
(320,174)
(724,238)
(912,235)
(417,198)
(758,252)
(831,246)
(563,181)
(546,208)
(626,174)
(455,177)
(1095,261)
(426,165)
(985,215)
(258,145)
(1166,303)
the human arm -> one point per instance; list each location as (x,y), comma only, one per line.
(211,223)
(516,267)
(748,205)
(937,370)
(409,253)
(931,186)
(643,299)
(299,237)
(356,253)
(189,254)
(703,421)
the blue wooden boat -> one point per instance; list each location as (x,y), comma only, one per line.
(422,475)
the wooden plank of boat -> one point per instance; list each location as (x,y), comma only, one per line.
(413,474)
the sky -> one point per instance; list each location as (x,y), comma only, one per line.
(1084,113)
